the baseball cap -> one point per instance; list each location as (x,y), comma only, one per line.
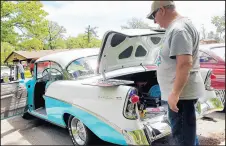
(158,4)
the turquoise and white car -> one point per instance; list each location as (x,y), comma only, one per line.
(109,93)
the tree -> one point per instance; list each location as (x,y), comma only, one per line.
(90,32)
(219,22)
(216,37)
(210,35)
(136,23)
(31,44)
(203,31)
(81,42)
(22,15)
(55,32)
(38,31)
(60,44)
(6,49)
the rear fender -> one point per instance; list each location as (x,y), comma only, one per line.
(210,102)
(96,106)
(101,127)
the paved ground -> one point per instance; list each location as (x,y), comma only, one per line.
(17,131)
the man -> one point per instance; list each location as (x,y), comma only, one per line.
(20,69)
(178,70)
(32,66)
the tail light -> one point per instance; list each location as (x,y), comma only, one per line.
(131,101)
(134,99)
(212,76)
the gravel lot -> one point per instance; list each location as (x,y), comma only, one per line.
(17,131)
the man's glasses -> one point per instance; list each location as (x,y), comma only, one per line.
(154,13)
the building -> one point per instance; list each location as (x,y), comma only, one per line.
(29,55)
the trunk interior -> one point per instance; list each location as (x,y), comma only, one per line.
(143,81)
(148,89)
(150,106)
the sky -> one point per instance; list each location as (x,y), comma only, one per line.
(75,16)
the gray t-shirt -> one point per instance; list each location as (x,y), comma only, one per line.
(181,37)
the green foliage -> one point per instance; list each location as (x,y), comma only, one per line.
(55,34)
(6,49)
(60,44)
(26,16)
(32,44)
(210,35)
(136,23)
(219,22)
(81,42)
(39,31)
(24,27)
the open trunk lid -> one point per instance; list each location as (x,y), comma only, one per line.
(131,48)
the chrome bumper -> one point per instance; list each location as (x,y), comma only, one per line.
(152,129)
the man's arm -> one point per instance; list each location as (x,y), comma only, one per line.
(181,48)
(183,67)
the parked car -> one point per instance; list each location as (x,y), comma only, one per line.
(7,72)
(212,56)
(109,93)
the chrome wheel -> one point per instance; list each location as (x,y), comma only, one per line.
(78,131)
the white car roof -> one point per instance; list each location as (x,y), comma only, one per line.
(64,58)
(209,46)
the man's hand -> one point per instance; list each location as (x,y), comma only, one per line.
(172,101)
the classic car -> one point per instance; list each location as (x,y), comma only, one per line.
(110,93)
(212,56)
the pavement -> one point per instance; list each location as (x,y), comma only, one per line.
(17,131)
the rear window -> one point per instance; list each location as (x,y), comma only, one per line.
(219,51)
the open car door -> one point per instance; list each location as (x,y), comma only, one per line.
(13,99)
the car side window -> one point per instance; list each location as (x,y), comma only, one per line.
(205,58)
(41,66)
(56,73)
(82,67)
(49,71)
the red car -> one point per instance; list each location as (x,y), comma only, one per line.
(213,56)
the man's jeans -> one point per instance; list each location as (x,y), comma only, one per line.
(183,123)
(22,76)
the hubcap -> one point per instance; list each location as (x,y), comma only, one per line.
(78,131)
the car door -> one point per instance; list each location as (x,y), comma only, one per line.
(13,99)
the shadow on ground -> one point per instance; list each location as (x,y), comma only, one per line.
(40,132)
